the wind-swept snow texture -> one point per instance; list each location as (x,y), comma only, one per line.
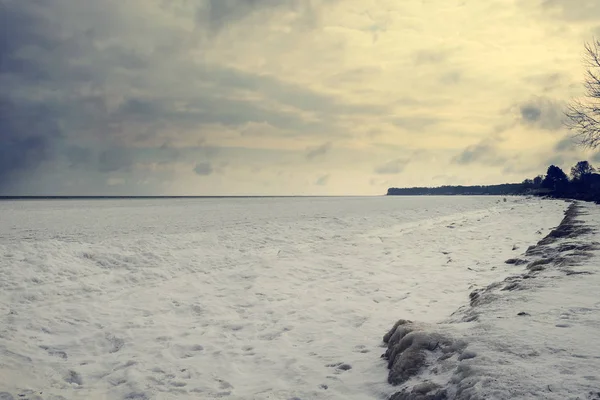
(276,298)
(533,335)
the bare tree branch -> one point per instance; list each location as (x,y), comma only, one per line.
(583,116)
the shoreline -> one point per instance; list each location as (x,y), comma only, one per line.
(429,362)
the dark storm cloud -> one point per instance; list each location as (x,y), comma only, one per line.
(22,27)
(26,134)
(76,72)
(36,77)
(20,155)
(68,60)
(542,113)
(37,48)
(123,159)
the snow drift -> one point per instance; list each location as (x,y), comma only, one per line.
(505,353)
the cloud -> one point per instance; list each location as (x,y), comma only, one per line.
(314,152)
(523,170)
(26,134)
(20,155)
(216,15)
(167,154)
(431,56)
(573,10)
(72,88)
(485,153)
(203,169)
(141,90)
(530,113)
(392,167)
(596,158)
(558,160)
(78,156)
(115,159)
(565,145)
(416,123)
(451,78)
(322,180)
(546,81)
(543,113)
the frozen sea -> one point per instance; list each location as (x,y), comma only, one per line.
(254,298)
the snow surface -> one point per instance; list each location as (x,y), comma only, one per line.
(259,298)
(542,340)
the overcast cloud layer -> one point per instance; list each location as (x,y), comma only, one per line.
(213,97)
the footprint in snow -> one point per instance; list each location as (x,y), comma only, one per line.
(340,367)
(186,351)
(361,349)
(223,384)
(53,352)
(74,378)
(115,343)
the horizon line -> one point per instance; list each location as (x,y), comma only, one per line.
(59,197)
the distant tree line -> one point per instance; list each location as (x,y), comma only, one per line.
(582,184)
(503,189)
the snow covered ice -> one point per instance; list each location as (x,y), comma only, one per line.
(280,298)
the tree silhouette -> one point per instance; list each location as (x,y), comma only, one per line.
(581,170)
(585,186)
(555,179)
(583,116)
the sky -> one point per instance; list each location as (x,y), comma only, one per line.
(285,97)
